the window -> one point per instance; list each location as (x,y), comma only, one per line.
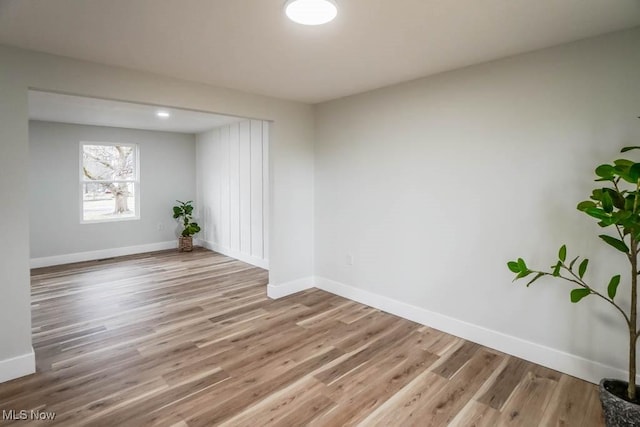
(109,182)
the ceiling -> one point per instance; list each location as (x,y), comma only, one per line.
(251,46)
(53,107)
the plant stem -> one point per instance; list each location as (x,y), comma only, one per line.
(581,282)
(633,315)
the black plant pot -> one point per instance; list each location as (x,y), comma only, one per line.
(617,411)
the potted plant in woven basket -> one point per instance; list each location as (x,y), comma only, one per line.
(184,213)
(616,206)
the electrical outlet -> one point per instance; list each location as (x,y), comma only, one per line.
(160,226)
(349,259)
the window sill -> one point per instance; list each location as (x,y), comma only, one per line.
(100,221)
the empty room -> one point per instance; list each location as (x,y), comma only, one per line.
(319,212)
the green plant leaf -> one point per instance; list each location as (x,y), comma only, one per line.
(582,206)
(623,162)
(634,171)
(522,264)
(573,262)
(537,276)
(562,253)
(624,174)
(605,171)
(625,149)
(613,286)
(582,268)
(607,202)
(606,222)
(596,213)
(513,266)
(523,273)
(621,216)
(629,201)
(616,197)
(616,243)
(556,269)
(578,294)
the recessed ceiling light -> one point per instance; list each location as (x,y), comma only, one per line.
(163,114)
(311,12)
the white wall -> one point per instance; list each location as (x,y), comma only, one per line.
(433,185)
(167,173)
(233,190)
(16,354)
(290,166)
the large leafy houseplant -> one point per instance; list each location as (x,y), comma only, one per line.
(616,206)
(184,213)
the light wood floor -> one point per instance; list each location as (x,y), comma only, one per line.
(191,339)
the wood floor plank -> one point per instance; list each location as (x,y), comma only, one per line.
(528,402)
(446,404)
(361,379)
(402,408)
(221,411)
(286,406)
(353,409)
(568,406)
(191,339)
(457,360)
(505,383)
(476,414)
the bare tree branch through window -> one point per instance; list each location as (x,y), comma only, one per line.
(109,181)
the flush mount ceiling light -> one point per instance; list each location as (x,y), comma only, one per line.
(163,114)
(311,12)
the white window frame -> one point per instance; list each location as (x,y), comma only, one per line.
(136,182)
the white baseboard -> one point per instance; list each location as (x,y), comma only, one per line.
(101,254)
(249,259)
(552,358)
(288,288)
(18,366)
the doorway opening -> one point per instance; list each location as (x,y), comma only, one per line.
(79,178)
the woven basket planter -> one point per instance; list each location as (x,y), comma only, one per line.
(185,244)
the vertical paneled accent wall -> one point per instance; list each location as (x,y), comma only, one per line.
(232,178)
